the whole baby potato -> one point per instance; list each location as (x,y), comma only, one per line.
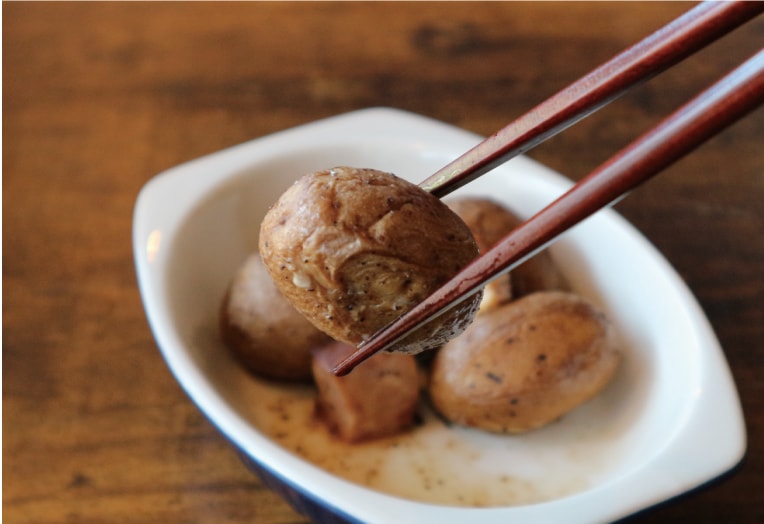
(353,249)
(264,331)
(525,364)
(489,222)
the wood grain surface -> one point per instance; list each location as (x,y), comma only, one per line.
(100,97)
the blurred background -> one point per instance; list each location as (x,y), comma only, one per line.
(100,97)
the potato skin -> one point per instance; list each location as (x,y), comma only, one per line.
(267,335)
(353,249)
(489,222)
(525,364)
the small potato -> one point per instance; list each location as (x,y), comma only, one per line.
(263,330)
(377,399)
(353,249)
(489,222)
(525,364)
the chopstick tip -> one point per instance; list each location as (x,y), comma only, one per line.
(349,363)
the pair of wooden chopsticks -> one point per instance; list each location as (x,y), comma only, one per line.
(735,95)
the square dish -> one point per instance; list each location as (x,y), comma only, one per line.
(669,422)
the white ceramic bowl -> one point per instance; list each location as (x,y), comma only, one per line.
(669,422)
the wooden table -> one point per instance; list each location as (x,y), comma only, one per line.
(99,97)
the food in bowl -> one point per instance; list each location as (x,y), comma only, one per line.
(353,249)
(378,399)
(265,333)
(525,364)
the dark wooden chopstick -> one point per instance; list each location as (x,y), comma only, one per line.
(668,46)
(737,94)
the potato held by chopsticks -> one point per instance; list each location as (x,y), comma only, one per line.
(353,249)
